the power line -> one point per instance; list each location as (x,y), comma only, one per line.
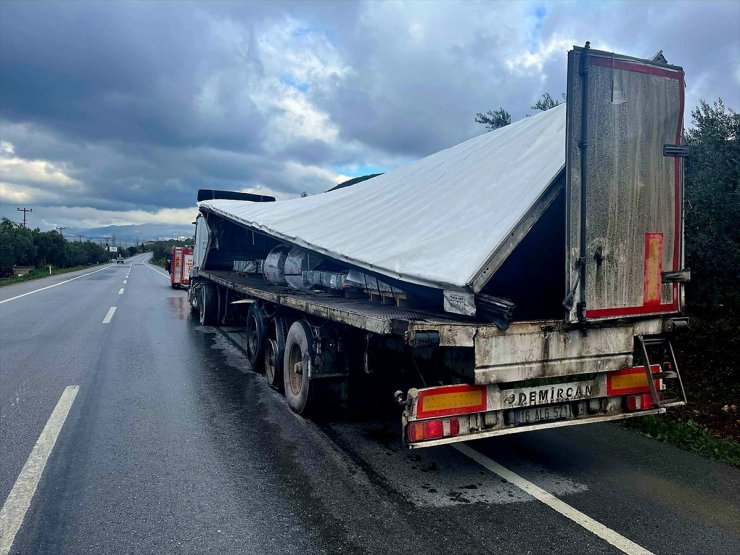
(24,210)
(60,229)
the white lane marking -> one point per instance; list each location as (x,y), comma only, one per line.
(157,271)
(109,316)
(55,285)
(19,499)
(125,280)
(607,534)
(120,291)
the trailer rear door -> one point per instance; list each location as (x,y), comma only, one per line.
(631,193)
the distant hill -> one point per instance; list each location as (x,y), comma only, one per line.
(129,234)
(353,181)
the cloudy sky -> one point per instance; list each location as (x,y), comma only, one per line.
(116,113)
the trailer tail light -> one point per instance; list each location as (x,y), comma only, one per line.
(639,402)
(451,400)
(432,429)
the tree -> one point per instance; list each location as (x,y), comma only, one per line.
(712,205)
(7,250)
(23,248)
(50,248)
(546,102)
(494,119)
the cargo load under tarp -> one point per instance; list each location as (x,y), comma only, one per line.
(445,221)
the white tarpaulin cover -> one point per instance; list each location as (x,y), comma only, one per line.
(435,221)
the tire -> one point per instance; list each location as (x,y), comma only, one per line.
(193,296)
(256,337)
(174,286)
(223,305)
(274,353)
(208,305)
(299,351)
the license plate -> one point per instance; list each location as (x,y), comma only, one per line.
(539,414)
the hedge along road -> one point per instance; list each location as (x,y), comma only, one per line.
(171,444)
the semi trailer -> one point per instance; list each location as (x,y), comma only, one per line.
(528,278)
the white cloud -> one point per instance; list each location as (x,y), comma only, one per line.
(14,169)
(6,149)
(13,194)
(299,173)
(275,100)
(260,189)
(296,62)
(296,119)
(536,60)
(90,217)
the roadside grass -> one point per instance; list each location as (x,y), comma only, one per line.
(158,262)
(689,435)
(708,355)
(38,273)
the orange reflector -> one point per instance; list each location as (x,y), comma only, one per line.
(630,380)
(449,400)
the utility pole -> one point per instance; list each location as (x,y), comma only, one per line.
(24,210)
(79,237)
(60,229)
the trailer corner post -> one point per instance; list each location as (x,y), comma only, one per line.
(583,147)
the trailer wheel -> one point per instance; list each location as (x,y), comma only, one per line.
(255,337)
(299,351)
(274,352)
(208,305)
(193,296)
(174,286)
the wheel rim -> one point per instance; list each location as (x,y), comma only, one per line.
(295,369)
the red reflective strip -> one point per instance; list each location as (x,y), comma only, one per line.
(424,394)
(653,270)
(631,310)
(637,67)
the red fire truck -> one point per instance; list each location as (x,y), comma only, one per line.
(179,264)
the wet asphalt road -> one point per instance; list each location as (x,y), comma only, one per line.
(173,445)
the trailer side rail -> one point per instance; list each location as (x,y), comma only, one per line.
(358,313)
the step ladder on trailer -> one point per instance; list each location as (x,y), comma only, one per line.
(664,345)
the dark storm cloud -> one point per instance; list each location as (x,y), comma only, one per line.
(126,72)
(132,106)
